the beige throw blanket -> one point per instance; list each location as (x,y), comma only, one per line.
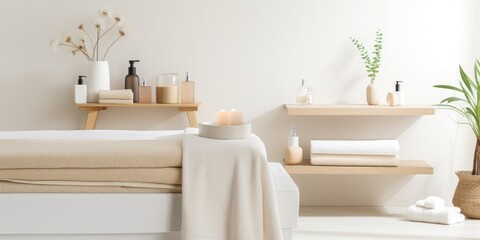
(88,153)
(142,175)
(227,190)
(354,160)
(14,187)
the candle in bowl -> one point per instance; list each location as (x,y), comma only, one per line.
(236,117)
(223,117)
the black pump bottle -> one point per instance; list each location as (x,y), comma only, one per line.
(132,80)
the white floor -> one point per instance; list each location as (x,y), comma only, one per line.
(375,223)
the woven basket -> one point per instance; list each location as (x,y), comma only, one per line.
(467,194)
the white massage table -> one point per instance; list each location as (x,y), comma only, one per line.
(138,216)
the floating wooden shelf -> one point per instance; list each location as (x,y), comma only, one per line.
(158,105)
(357,110)
(94,108)
(405,167)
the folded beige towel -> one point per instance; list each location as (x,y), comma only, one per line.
(353,160)
(145,175)
(11,187)
(115,101)
(100,184)
(355,147)
(90,153)
(123,94)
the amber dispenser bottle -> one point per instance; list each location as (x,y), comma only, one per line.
(144,92)
(187,90)
(132,81)
(293,153)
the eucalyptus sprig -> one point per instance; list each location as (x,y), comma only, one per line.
(371,65)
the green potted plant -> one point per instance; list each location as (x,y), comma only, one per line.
(467,103)
(372,64)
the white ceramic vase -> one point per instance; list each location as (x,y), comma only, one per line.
(98,78)
(373,94)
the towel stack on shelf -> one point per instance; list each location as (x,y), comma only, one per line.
(355,152)
(433,210)
(124,96)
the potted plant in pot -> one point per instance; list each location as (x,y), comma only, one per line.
(371,65)
(467,104)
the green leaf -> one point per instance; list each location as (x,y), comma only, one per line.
(452,99)
(448,87)
(466,80)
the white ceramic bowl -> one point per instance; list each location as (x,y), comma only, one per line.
(213,130)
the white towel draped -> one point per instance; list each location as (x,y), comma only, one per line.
(228,192)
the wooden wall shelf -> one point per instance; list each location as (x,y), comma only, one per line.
(357,110)
(405,167)
(94,108)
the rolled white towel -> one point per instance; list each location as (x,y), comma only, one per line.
(431,202)
(355,147)
(121,94)
(443,215)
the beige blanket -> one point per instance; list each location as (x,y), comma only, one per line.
(354,160)
(11,187)
(88,153)
(142,175)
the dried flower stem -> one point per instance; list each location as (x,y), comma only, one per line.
(89,37)
(108,30)
(103,26)
(96,44)
(72,45)
(111,46)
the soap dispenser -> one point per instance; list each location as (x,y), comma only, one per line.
(293,153)
(395,98)
(145,92)
(399,93)
(188,90)
(304,94)
(80,91)
(132,81)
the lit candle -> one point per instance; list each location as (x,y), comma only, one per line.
(223,117)
(236,117)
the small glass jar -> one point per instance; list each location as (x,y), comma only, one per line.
(304,94)
(167,88)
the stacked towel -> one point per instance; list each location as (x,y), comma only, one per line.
(433,210)
(355,153)
(124,96)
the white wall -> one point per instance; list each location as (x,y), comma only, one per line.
(251,55)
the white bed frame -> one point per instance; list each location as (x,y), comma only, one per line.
(119,216)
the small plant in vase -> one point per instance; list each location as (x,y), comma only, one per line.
(108,27)
(372,64)
(467,103)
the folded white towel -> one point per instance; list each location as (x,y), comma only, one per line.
(115,101)
(355,147)
(443,215)
(353,160)
(431,202)
(121,94)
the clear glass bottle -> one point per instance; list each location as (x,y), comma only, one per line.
(304,94)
